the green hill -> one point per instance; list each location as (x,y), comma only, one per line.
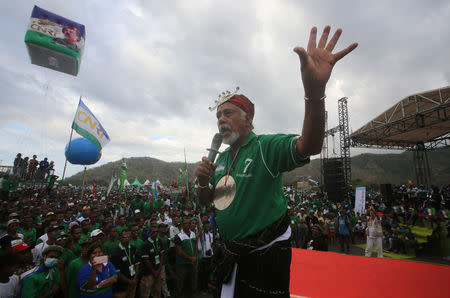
(366,169)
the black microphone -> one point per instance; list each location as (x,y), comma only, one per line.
(215,145)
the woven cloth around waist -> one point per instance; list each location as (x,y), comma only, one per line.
(234,250)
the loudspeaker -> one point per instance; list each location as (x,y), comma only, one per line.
(334,179)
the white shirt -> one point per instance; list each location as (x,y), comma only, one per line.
(9,289)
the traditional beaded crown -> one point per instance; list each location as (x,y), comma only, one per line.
(223,97)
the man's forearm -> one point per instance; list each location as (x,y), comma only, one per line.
(311,140)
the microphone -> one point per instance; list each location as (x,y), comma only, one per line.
(215,145)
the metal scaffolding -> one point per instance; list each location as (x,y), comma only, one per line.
(344,144)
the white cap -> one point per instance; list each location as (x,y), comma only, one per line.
(137,211)
(96,232)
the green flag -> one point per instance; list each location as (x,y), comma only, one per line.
(123,174)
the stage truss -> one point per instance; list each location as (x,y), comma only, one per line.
(419,122)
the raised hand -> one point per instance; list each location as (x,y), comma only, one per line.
(317,62)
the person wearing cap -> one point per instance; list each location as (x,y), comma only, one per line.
(39,248)
(12,228)
(245,183)
(49,224)
(75,266)
(98,235)
(61,239)
(49,278)
(24,257)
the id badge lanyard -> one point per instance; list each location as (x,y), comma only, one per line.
(128,255)
(156,247)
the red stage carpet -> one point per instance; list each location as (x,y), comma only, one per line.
(326,274)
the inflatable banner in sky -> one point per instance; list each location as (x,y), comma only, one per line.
(89,127)
(54,41)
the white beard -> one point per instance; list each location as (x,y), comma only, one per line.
(231,139)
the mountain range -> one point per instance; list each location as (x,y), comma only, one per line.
(367,169)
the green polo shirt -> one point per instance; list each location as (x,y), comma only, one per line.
(38,284)
(109,247)
(259,200)
(67,256)
(71,276)
(137,243)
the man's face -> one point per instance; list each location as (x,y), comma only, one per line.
(154,231)
(61,242)
(125,238)
(113,233)
(71,33)
(27,221)
(230,122)
(134,232)
(25,256)
(85,225)
(13,227)
(76,235)
(186,225)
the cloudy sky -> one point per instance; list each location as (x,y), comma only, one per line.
(151,69)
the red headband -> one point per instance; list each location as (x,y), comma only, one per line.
(244,103)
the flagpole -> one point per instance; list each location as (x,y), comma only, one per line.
(70,141)
(68,151)
(187,174)
(84,180)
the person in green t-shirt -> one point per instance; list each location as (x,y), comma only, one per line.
(61,240)
(75,235)
(245,183)
(47,281)
(121,225)
(135,240)
(28,231)
(112,241)
(74,266)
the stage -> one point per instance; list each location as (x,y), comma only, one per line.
(328,274)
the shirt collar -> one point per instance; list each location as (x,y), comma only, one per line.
(122,247)
(251,136)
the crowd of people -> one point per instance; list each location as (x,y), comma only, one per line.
(32,169)
(386,224)
(133,244)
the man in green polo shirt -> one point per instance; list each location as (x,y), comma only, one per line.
(47,280)
(245,183)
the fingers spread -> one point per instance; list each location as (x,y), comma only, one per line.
(339,55)
(334,40)
(324,37)
(312,39)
